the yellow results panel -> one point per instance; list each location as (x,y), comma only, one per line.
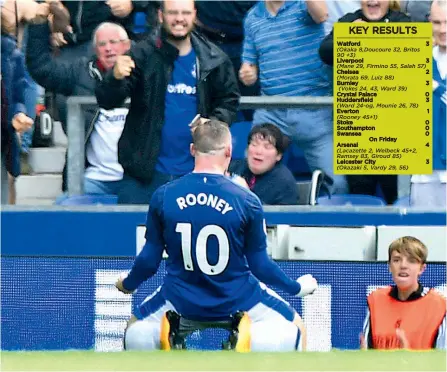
(382,98)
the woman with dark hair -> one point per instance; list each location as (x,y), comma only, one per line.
(263,170)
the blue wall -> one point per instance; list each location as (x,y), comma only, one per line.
(101,233)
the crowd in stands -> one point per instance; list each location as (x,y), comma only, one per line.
(179,59)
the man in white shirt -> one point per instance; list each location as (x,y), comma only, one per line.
(103,174)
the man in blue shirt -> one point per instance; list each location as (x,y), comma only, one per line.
(281,51)
(213,231)
(169,82)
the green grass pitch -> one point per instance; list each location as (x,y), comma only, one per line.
(224,361)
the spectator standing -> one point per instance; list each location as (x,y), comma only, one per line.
(31,95)
(281,43)
(169,83)
(430,190)
(5,140)
(74,41)
(27,11)
(103,128)
(263,171)
(14,15)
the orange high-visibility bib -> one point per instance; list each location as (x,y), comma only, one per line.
(419,319)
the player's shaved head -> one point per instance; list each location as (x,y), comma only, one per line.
(211,137)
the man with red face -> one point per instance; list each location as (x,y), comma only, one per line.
(394,319)
(110,41)
(78,78)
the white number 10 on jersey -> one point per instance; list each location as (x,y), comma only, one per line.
(201,248)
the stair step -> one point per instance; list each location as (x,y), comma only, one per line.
(47,159)
(40,186)
(59,137)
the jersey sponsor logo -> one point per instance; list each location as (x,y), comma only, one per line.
(181,89)
(112,116)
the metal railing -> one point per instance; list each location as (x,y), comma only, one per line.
(76,132)
(76,127)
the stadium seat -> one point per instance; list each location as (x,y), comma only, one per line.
(294,159)
(89,200)
(139,23)
(309,189)
(402,202)
(362,200)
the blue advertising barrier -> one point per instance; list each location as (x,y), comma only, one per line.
(58,268)
(53,303)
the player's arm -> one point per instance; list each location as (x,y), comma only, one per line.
(260,263)
(147,262)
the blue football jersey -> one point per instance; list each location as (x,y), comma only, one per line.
(214,233)
(208,224)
